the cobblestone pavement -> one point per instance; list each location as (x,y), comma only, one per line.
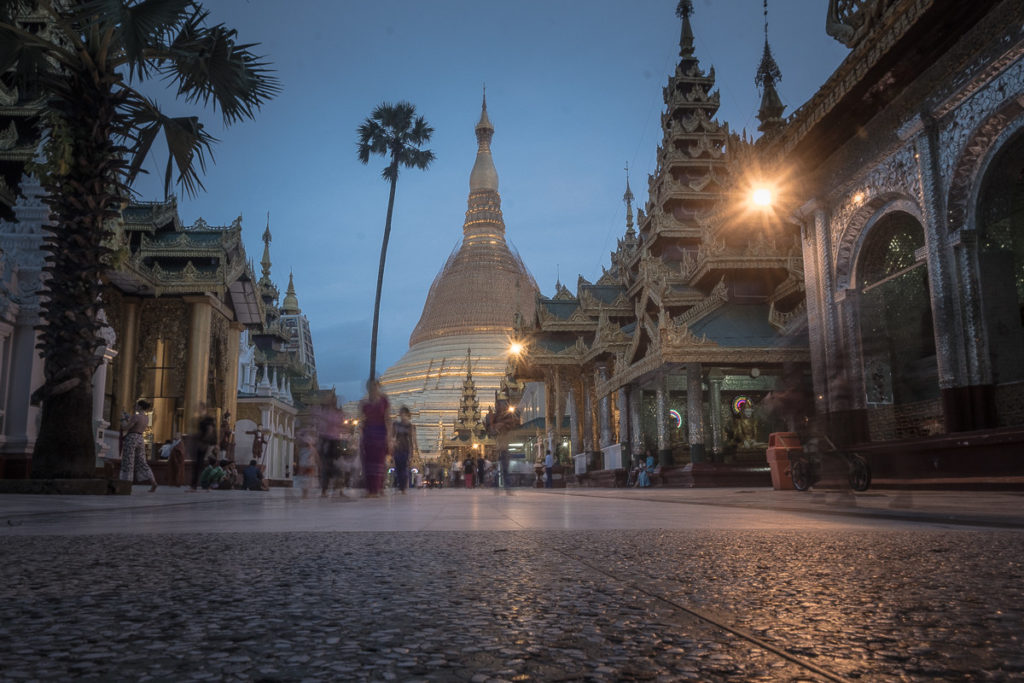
(916,602)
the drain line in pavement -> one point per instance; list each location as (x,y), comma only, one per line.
(738,632)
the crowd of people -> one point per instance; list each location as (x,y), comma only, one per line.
(323,459)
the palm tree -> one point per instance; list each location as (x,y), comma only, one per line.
(86,58)
(392,130)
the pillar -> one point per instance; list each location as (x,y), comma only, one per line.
(574,420)
(549,411)
(622,402)
(127,370)
(636,431)
(198,368)
(99,388)
(587,384)
(695,412)
(715,416)
(661,402)
(231,381)
(604,410)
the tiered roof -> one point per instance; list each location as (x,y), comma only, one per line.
(703,279)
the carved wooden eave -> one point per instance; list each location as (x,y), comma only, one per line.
(705,354)
(714,300)
(592,305)
(789,322)
(711,264)
(792,285)
(610,334)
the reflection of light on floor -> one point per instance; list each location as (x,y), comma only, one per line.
(677,417)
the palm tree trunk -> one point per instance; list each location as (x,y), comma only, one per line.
(380,272)
(82,197)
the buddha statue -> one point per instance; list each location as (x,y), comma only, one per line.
(744,431)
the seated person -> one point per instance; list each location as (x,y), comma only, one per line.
(231,475)
(211,474)
(252,477)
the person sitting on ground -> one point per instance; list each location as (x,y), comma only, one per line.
(231,475)
(211,474)
(252,477)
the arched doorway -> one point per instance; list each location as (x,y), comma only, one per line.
(897,332)
(1000,226)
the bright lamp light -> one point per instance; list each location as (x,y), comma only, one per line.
(762,196)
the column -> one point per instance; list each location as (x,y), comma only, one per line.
(587,384)
(695,412)
(127,371)
(549,410)
(231,381)
(715,408)
(574,419)
(622,402)
(636,430)
(99,387)
(604,410)
(661,403)
(198,367)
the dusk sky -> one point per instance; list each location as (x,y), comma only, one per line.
(574,90)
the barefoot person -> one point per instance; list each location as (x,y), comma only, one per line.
(133,453)
(376,437)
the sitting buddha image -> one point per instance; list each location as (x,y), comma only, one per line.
(744,431)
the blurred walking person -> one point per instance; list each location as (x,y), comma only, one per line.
(376,439)
(133,451)
(307,461)
(405,440)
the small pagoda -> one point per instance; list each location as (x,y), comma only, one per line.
(470,438)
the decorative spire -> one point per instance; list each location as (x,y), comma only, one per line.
(265,261)
(683,10)
(290,305)
(628,198)
(484,175)
(768,74)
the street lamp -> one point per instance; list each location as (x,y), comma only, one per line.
(515,348)
(762,197)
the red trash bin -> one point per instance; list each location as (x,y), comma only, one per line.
(780,446)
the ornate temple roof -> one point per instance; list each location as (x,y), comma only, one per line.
(484,284)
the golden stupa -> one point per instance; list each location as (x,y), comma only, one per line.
(471,304)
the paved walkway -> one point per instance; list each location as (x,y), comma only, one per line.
(172,510)
(569,585)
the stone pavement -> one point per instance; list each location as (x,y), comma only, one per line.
(577,584)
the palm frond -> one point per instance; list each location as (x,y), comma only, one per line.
(209,65)
(147,25)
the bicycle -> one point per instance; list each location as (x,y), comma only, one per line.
(806,470)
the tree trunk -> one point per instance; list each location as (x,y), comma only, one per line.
(380,274)
(66,447)
(84,185)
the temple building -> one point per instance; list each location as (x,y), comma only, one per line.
(876,296)
(699,319)
(472,303)
(905,173)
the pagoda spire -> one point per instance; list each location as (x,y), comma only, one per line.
(628,199)
(484,176)
(484,223)
(683,10)
(290,305)
(265,261)
(768,74)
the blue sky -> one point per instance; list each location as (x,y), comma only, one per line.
(574,90)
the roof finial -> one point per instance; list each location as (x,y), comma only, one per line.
(768,74)
(683,10)
(628,198)
(265,261)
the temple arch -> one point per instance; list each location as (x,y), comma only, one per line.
(997,215)
(895,328)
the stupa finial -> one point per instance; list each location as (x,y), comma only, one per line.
(768,74)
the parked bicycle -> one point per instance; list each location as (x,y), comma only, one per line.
(806,469)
